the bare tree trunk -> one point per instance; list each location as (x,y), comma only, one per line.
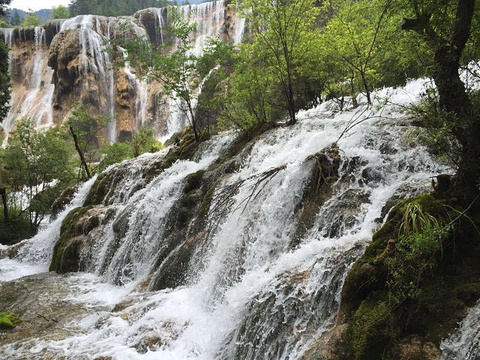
(193,121)
(3,192)
(80,153)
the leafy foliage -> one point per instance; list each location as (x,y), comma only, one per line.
(31,19)
(279,28)
(421,240)
(86,132)
(35,167)
(59,12)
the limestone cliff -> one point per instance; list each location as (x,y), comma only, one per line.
(66,61)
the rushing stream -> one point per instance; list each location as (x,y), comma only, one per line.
(256,285)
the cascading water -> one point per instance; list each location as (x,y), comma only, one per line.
(46,95)
(465,343)
(95,59)
(32,99)
(34,255)
(261,278)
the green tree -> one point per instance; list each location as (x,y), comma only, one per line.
(83,7)
(353,37)
(35,168)
(143,142)
(115,153)
(85,131)
(279,27)
(446,29)
(59,12)
(31,19)
(16,19)
(250,94)
(174,65)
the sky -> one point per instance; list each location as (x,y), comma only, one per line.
(37,4)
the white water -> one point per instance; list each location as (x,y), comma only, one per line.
(465,343)
(33,97)
(35,254)
(251,289)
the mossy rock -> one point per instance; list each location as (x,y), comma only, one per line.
(8,321)
(67,249)
(370,329)
(440,300)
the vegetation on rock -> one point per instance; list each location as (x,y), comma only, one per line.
(8,321)
(419,264)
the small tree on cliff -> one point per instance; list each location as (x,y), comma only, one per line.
(174,65)
(84,130)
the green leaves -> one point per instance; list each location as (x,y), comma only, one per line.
(35,168)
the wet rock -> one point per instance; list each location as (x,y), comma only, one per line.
(74,238)
(40,302)
(63,200)
(416,348)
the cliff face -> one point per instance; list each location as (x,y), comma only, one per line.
(65,61)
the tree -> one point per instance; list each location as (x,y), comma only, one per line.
(59,12)
(174,65)
(35,168)
(16,19)
(83,7)
(143,142)
(249,92)
(31,19)
(352,37)
(446,31)
(84,130)
(278,29)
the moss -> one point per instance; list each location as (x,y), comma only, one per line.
(99,190)
(370,329)
(8,321)
(193,181)
(440,297)
(206,202)
(15,229)
(68,232)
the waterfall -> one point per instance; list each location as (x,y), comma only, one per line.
(38,92)
(259,277)
(31,99)
(34,254)
(465,343)
(95,59)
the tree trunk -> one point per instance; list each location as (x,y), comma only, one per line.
(452,93)
(193,121)
(3,192)
(80,153)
